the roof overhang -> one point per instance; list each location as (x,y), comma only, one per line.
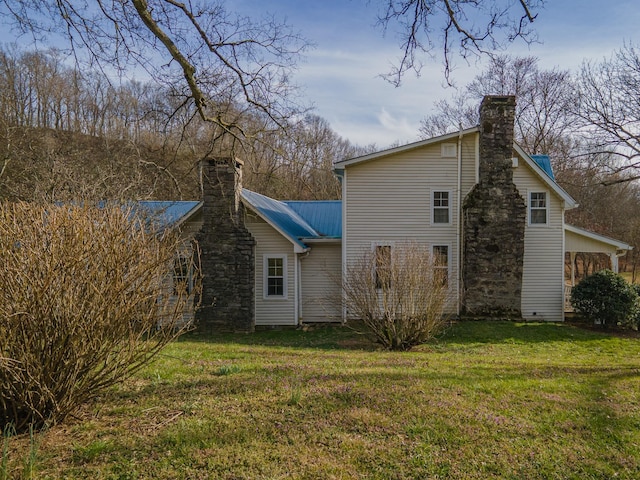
(581,240)
(298,245)
(189,214)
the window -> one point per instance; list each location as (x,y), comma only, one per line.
(440,207)
(538,208)
(449,150)
(182,276)
(441,263)
(275,276)
(383,266)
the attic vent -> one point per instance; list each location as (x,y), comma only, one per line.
(449,150)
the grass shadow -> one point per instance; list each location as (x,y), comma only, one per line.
(516,332)
(320,338)
(356,337)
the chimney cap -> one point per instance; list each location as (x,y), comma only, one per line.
(224,161)
(498,100)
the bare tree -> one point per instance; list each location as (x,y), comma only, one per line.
(222,59)
(609,109)
(544,121)
(298,164)
(73,133)
(455,27)
(460,112)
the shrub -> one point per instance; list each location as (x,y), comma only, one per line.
(399,293)
(634,319)
(606,298)
(84,302)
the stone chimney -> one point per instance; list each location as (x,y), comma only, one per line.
(494,215)
(227,251)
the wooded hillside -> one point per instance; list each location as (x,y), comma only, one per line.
(68,134)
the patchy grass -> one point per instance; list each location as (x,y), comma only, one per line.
(487,400)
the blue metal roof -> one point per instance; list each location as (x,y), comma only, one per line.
(325,216)
(279,215)
(544,162)
(167,213)
(299,220)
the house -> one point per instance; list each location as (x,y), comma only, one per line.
(298,259)
(492,213)
(183,216)
(264,262)
(495,211)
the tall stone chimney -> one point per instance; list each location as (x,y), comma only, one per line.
(494,215)
(227,251)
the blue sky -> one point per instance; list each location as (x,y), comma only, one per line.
(340,76)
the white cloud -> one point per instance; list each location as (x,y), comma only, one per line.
(346,89)
(400,127)
(342,76)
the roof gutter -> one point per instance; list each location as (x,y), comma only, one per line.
(321,240)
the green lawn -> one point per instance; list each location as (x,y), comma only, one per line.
(487,400)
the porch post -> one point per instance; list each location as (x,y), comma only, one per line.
(572,256)
(614,262)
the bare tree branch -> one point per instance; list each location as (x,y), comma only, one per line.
(464,27)
(609,109)
(229,64)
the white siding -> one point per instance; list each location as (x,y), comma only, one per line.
(272,311)
(320,287)
(543,274)
(388,200)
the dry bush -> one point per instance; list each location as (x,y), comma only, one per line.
(85,300)
(399,294)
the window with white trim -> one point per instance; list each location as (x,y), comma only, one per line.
(538,214)
(275,276)
(441,207)
(441,263)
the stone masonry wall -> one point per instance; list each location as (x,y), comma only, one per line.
(494,216)
(227,252)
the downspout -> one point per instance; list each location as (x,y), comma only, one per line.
(299,258)
(459,229)
(296,297)
(344,246)
(614,260)
(298,306)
